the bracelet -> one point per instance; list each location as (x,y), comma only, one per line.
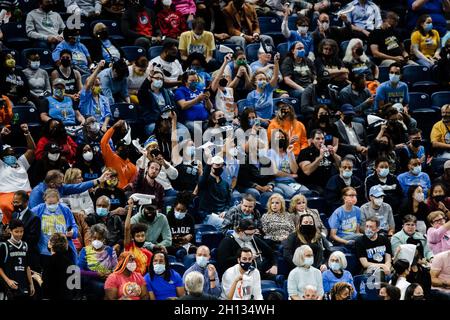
(212,280)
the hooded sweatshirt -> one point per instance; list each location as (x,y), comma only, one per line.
(41,24)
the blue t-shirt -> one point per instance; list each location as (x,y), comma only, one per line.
(112,51)
(345,222)
(388,94)
(262,102)
(62,110)
(197,111)
(282,163)
(89,107)
(306,40)
(163,289)
(80,53)
(407,179)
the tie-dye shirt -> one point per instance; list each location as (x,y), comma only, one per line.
(98,261)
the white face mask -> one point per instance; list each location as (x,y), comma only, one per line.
(167,3)
(97,244)
(325,25)
(420,197)
(88,156)
(302,30)
(131,266)
(378,202)
(53,156)
(35,65)
(308,261)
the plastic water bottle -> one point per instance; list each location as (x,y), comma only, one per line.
(362,287)
(116,113)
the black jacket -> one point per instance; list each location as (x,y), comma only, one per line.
(114,225)
(227,254)
(149,108)
(333,194)
(55,278)
(31,235)
(318,248)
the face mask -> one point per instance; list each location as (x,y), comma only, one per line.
(10,160)
(245,265)
(308,229)
(419,197)
(416,170)
(335,266)
(35,65)
(416,143)
(383,172)
(282,142)
(47,8)
(88,156)
(139,244)
(10,63)
(439,198)
(218,171)
(193,86)
(324,118)
(394,78)
(241,63)
(301,53)
(246,238)
(96,90)
(131,266)
(52,207)
(65,62)
(180,215)
(221,122)
(347,174)
(111,183)
(103,35)
(347,119)
(325,25)
(201,261)
(302,29)
(418,298)
(17,208)
(359,52)
(251,122)
(53,156)
(159,268)
(167,3)
(97,244)
(101,212)
(369,233)
(171,58)
(428,27)
(223,82)
(261,84)
(150,217)
(378,201)
(308,261)
(157,84)
(58,93)
(446,119)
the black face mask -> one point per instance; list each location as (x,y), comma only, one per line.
(308,229)
(347,119)
(218,171)
(222,121)
(417,298)
(150,217)
(103,35)
(65,62)
(282,143)
(439,198)
(416,143)
(359,52)
(382,146)
(245,265)
(324,118)
(123,153)
(223,82)
(18,208)
(47,8)
(446,119)
(139,244)
(171,58)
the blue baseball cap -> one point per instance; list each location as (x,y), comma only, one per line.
(376,191)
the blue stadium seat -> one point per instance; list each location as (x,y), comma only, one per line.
(426,119)
(154,51)
(324,219)
(251,51)
(127,111)
(266,291)
(211,239)
(26,114)
(367,290)
(438,99)
(418,78)
(171,258)
(318,203)
(214,253)
(269,24)
(204,227)
(15,35)
(44,54)
(114,31)
(383,74)
(294,102)
(28,5)
(407,45)
(292,22)
(180,254)
(283,266)
(85,31)
(188,260)
(178,267)
(219,56)
(353,265)
(418,100)
(343,47)
(283,49)
(132,53)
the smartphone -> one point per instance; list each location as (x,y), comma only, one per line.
(328,140)
(155,152)
(257,122)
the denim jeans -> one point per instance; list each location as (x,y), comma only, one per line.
(288,192)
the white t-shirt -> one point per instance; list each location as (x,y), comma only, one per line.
(134,81)
(174,68)
(225,103)
(13,179)
(249,286)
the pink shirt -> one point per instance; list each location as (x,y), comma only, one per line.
(185,7)
(438,239)
(441,263)
(126,286)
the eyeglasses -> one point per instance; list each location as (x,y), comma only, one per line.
(439,220)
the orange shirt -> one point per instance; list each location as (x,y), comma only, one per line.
(6,113)
(126,171)
(295,128)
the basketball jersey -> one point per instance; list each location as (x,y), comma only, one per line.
(70,81)
(15,264)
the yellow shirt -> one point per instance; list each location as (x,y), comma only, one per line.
(428,44)
(440,133)
(202,45)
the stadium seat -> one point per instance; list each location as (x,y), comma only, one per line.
(353,265)
(283,49)
(407,45)
(438,99)
(418,79)
(418,100)
(383,75)
(189,260)
(127,111)
(154,51)
(114,31)
(15,35)
(213,254)
(283,266)
(343,47)
(367,290)
(132,53)
(204,227)
(180,254)
(28,5)
(292,22)
(45,55)
(269,25)
(251,51)
(211,239)
(318,203)
(178,267)
(426,119)
(171,258)
(219,56)
(324,219)
(26,114)
(294,102)
(268,286)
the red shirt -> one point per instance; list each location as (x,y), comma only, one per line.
(129,287)
(171,23)
(144,25)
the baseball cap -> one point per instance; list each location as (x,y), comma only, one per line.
(217,160)
(347,109)
(52,148)
(398,106)
(376,191)
(59,81)
(447,164)
(289,101)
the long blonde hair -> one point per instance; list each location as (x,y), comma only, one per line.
(71,174)
(296,199)
(269,202)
